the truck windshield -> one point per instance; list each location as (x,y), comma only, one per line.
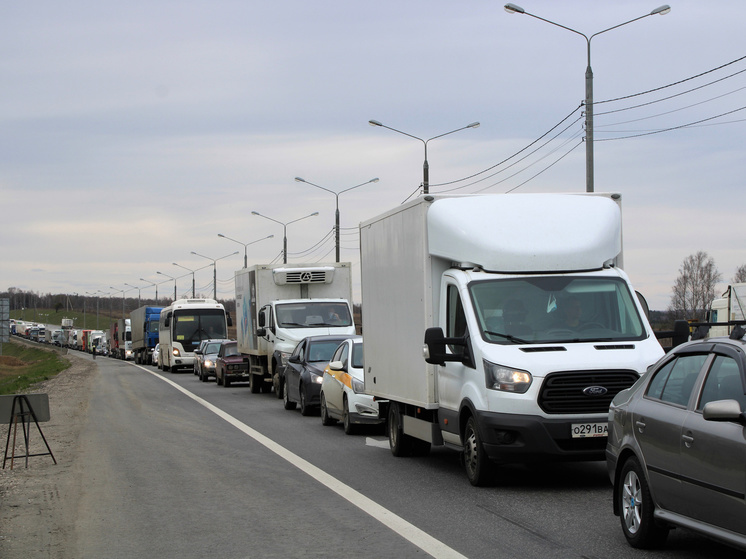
(313,315)
(551,309)
(192,326)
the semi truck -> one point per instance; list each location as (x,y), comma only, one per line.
(530,325)
(184,325)
(279,305)
(120,339)
(145,324)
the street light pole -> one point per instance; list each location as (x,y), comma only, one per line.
(214,271)
(245,246)
(285,231)
(170,277)
(425,166)
(589,163)
(154,285)
(336,196)
(188,270)
(138,293)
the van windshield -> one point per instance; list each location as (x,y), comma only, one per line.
(318,314)
(551,309)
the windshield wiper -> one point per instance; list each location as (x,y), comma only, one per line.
(508,337)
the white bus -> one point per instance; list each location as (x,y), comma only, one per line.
(184,325)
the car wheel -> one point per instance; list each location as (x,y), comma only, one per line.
(636,509)
(350,427)
(287,404)
(305,409)
(326,419)
(226,380)
(477,464)
(218,379)
(276,381)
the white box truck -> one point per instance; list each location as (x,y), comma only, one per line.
(279,305)
(182,327)
(530,325)
(727,311)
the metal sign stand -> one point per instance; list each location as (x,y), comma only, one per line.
(22,411)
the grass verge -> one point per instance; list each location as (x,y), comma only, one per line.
(22,366)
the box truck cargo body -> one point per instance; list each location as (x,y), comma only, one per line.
(145,324)
(509,372)
(184,325)
(278,306)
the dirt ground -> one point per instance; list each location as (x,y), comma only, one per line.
(38,504)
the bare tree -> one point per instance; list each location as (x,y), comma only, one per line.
(694,289)
(740,276)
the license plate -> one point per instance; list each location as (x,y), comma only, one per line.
(583,430)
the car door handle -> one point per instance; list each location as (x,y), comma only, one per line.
(640,425)
(688,440)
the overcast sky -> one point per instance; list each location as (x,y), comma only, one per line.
(132,133)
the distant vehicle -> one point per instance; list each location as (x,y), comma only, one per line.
(676,448)
(230,365)
(144,325)
(727,309)
(305,371)
(205,358)
(184,325)
(343,394)
(156,359)
(120,339)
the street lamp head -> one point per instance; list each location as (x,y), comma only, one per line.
(298,179)
(513,9)
(473,125)
(313,214)
(221,235)
(374,123)
(662,10)
(255,213)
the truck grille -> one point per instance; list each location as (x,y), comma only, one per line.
(566,392)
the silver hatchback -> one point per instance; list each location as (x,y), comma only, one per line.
(676,452)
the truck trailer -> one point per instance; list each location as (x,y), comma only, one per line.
(144,324)
(279,305)
(120,339)
(530,325)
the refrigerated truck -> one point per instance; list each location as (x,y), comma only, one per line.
(471,337)
(279,305)
(182,327)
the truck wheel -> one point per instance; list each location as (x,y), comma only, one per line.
(636,507)
(401,444)
(287,404)
(478,465)
(255,384)
(326,419)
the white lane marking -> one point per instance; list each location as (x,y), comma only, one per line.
(421,539)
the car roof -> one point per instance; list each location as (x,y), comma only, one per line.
(332,337)
(706,343)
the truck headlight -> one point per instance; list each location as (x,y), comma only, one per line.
(506,379)
(176,352)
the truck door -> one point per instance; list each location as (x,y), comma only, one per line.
(453,375)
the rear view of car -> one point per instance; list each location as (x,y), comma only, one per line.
(676,450)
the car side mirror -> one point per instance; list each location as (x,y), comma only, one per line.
(337,366)
(198,352)
(724,410)
(294,359)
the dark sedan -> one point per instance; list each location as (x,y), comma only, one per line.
(230,365)
(305,371)
(676,448)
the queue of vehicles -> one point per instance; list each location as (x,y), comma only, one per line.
(536,348)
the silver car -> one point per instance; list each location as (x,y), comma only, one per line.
(676,452)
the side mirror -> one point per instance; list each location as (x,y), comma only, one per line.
(228,319)
(724,410)
(198,352)
(261,332)
(294,359)
(434,350)
(680,333)
(262,319)
(336,366)
(167,321)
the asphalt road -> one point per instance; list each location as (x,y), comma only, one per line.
(174,467)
